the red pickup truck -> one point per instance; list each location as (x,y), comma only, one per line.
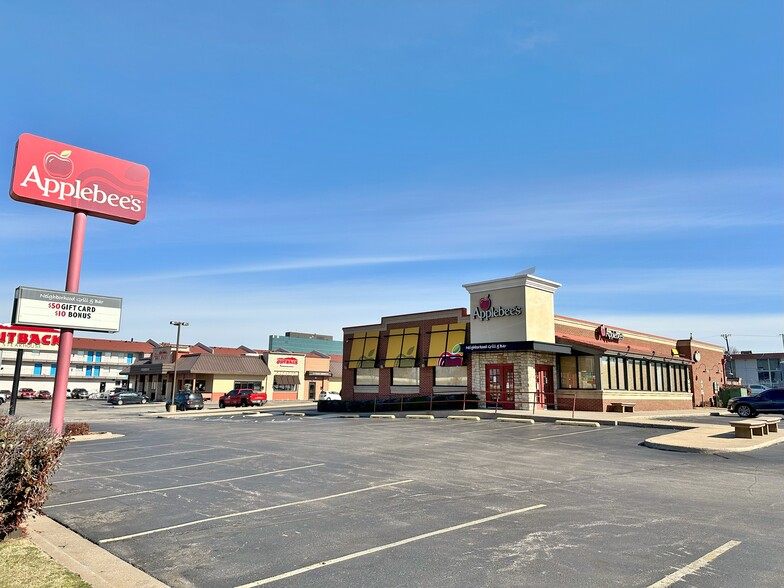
(242,397)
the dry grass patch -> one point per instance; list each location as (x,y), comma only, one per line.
(26,566)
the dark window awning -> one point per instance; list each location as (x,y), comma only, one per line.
(287,380)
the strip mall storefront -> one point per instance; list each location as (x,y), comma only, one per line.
(512,350)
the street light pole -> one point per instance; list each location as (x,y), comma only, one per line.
(170,407)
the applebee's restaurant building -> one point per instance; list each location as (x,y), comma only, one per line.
(511,349)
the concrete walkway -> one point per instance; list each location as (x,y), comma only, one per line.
(101,569)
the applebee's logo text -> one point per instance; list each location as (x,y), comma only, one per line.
(496,311)
(62,190)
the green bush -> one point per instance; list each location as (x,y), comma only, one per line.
(74,429)
(29,455)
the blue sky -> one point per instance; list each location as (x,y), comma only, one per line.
(316,165)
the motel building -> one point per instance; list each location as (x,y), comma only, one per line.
(514,352)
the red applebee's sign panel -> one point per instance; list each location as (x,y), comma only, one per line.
(57,175)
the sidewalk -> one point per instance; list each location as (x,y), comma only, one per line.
(690,437)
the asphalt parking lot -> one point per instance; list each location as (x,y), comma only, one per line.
(230,500)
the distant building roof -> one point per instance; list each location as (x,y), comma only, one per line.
(208,363)
(112,345)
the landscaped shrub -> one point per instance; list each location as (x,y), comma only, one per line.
(410,403)
(74,429)
(29,455)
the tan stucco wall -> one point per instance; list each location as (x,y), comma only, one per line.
(539,316)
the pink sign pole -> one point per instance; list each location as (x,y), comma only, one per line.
(57,418)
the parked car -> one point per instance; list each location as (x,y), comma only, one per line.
(757,388)
(4,395)
(126,397)
(330,396)
(771,400)
(26,393)
(242,397)
(44,395)
(188,400)
(79,393)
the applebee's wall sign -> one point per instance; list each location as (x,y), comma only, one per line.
(53,174)
(603,332)
(486,311)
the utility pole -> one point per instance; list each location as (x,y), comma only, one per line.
(726,338)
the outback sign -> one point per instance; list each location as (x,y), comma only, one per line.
(53,174)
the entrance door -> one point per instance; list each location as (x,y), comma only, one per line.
(311,390)
(499,383)
(544,386)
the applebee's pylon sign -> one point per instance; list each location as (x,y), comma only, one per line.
(49,173)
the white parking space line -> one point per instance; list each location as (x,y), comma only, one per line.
(151,456)
(678,575)
(568,434)
(223,481)
(193,465)
(372,550)
(250,512)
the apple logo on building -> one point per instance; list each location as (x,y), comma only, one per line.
(485,303)
(58,165)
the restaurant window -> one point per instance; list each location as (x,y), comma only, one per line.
(366,377)
(446,344)
(637,371)
(567,368)
(659,377)
(613,373)
(604,366)
(622,374)
(452,376)
(405,376)
(586,372)
(252,384)
(364,347)
(402,348)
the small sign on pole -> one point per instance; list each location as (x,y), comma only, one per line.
(66,310)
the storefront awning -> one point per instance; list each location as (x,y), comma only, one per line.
(318,374)
(287,380)
(619,349)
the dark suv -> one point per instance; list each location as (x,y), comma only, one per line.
(188,400)
(771,400)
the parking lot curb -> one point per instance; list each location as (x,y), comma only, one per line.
(93,564)
(579,423)
(514,420)
(95,436)
(424,417)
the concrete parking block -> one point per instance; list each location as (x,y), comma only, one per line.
(382,416)
(427,417)
(513,420)
(578,423)
(463,417)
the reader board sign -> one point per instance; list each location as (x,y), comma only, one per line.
(66,310)
(53,174)
(12,337)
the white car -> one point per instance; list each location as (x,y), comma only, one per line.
(757,388)
(329,396)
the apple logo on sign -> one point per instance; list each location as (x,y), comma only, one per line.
(485,303)
(58,165)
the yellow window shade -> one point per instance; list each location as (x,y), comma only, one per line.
(445,342)
(364,347)
(402,347)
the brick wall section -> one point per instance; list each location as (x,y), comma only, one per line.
(426,374)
